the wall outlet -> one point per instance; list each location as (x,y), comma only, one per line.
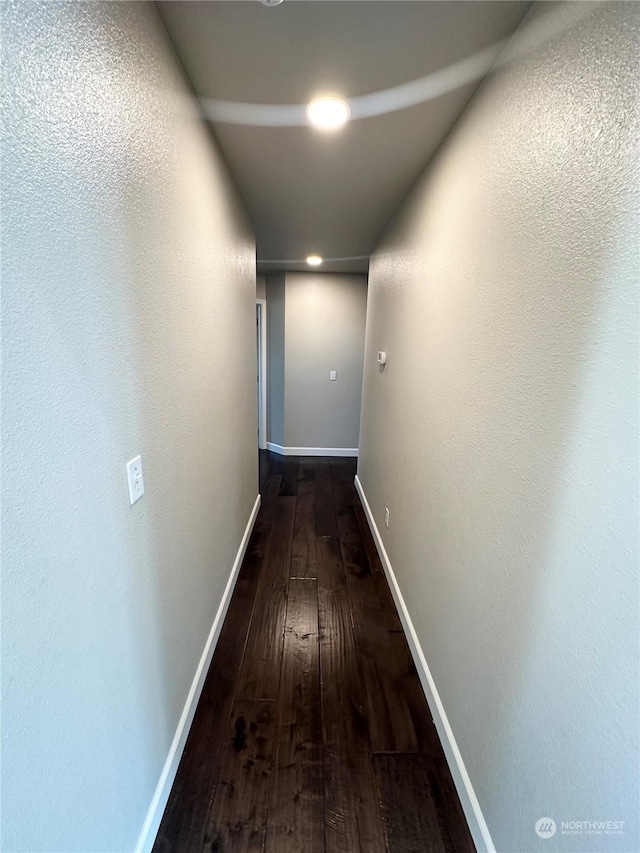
(386,516)
(333,375)
(135,480)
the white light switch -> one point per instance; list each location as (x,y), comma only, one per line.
(333,375)
(134,479)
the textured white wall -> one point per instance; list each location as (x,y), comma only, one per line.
(128,310)
(503,434)
(325,315)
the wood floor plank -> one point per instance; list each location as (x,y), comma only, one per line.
(400,678)
(289,487)
(325,514)
(306,472)
(184,822)
(260,672)
(453,825)
(409,684)
(263,468)
(303,549)
(272,484)
(385,664)
(238,816)
(390,613)
(392,712)
(410,814)
(340,486)
(295,821)
(352,811)
(276,462)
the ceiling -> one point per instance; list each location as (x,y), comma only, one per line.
(332,193)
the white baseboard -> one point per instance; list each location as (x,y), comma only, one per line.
(312,451)
(163,788)
(473,813)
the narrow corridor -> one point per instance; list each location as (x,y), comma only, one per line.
(312,732)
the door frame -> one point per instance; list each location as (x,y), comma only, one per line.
(261,318)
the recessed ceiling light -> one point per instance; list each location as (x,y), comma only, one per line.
(328,113)
(314,260)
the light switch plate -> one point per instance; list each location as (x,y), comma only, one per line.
(135,480)
(333,375)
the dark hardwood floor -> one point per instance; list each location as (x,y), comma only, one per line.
(312,733)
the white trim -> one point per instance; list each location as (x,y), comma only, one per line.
(163,788)
(262,374)
(312,451)
(473,812)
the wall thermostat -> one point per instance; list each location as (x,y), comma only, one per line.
(382,357)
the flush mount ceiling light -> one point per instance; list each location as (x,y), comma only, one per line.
(328,113)
(314,260)
(271,2)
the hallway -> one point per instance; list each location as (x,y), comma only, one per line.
(435,205)
(312,732)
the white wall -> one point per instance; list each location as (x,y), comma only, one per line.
(325,315)
(503,434)
(261,286)
(128,327)
(316,325)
